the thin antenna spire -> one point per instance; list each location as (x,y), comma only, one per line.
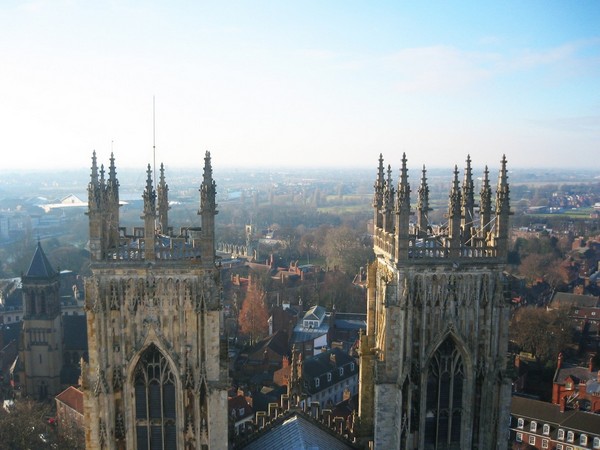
(154,140)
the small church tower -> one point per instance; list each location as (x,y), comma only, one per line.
(42,328)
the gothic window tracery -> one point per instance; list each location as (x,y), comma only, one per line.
(155,401)
(444,407)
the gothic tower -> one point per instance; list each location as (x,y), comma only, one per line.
(432,372)
(42,328)
(156,376)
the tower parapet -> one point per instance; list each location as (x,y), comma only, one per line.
(468,234)
(156,239)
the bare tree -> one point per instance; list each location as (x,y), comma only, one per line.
(253,318)
(24,426)
(542,333)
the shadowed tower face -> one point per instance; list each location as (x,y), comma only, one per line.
(156,377)
(432,373)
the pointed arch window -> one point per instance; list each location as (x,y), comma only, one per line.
(154,385)
(444,407)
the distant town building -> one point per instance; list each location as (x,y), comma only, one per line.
(576,387)
(311,333)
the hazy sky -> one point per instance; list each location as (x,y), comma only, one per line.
(315,83)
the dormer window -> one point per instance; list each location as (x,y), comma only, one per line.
(352,367)
(533,426)
(561,434)
(520,423)
(341,371)
(242,410)
(328,376)
(570,436)
(317,382)
(546,429)
(583,439)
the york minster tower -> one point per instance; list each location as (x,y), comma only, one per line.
(432,372)
(155,378)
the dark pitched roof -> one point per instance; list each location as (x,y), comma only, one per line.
(296,430)
(575,300)
(276,343)
(40,266)
(329,362)
(548,412)
(240,407)
(577,373)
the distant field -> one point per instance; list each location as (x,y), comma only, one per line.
(582,213)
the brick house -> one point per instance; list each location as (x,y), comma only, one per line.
(542,425)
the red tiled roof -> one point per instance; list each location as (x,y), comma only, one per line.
(73,398)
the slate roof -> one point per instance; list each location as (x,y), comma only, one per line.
(351,321)
(297,431)
(577,373)
(324,363)
(550,413)
(277,343)
(242,409)
(40,266)
(576,300)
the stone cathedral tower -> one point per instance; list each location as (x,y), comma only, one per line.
(155,378)
(432,372)
(42,337)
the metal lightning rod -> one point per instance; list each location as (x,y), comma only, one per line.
(154,141)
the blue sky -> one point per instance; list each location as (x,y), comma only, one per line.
(309,83)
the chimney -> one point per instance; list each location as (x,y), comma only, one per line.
(563,403)
(286,362)
(518,362)
(591,363)
(559,362)
(261,419)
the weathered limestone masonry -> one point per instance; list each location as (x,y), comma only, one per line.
(156,376)
(432,362)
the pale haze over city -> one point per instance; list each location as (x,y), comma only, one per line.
(312,84)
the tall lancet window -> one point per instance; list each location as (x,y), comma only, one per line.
(444,409)
(154,402)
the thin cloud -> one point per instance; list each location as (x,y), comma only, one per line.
(437,68)
(571,124)
(317,54)
(446,68)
